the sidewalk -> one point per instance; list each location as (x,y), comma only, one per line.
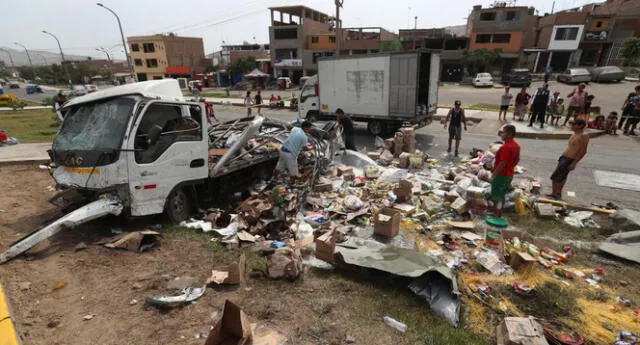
(24,153)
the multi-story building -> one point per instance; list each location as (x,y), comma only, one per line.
(625,22)
(449,42)
(160,56)
(289,32)
(557,41)
(507,28)
(230,53)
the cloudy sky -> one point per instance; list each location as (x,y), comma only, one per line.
(82,26)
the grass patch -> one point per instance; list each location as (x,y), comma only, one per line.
(560,230)
(30,126)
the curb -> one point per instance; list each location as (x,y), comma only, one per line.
(545,136)
(24,162)
(8,333)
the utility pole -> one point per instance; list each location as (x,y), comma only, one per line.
(124,43)
(64,65)
(338,27)
(415,23)
(28,57)
(553,6)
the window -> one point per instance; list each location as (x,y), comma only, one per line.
(138,62)
(599,24)
(483,38)
(314,39)
(157,77)
(152,63)
(332,39)
(148,47)
(307,91)
(566,34)
(501,38)
(488,16)
(142,76)
(511,15)
(175,128)
(285,34)
(135,47)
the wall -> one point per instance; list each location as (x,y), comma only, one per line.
(324,42)
(184,51)
(159,54)
(512,47)
(500,24)
(258,54)
(565,44)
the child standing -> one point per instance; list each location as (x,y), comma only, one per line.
(248,102)
(557,111)
(505,100)
(507,158)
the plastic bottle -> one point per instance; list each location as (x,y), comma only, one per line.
(391,322)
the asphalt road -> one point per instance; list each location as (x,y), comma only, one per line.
(539,157)
(21,93)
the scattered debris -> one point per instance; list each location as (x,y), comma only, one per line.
(391,322)
(285,263)
(88,317)
(133,302)
(519,330)
(235,328)
(137,241)
(181,283)
(59,285)
(24,286)
(80,246)
(188,295)
(231,275)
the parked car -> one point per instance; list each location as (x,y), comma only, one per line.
(32,88)
(14,85)
(574,75)
(91,88)
(482,79)
(79,90)
(517,77)
(607,73)
(284,83)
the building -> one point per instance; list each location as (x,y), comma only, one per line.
(449,42)
(364,40)
(230,53)
(290,29)
(509,29)
(611,23)
(160,56)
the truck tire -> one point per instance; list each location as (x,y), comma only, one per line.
(312,116)
(178,206)
(376,128)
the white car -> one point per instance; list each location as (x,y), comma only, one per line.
(91,88)
(482,79)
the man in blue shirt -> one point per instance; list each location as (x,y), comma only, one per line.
(290,149)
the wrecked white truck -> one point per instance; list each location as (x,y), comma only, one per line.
(141,149)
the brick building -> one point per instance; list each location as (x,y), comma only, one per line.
(230,53)
(160,56)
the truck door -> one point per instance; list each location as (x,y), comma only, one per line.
(308,102)
(180,154)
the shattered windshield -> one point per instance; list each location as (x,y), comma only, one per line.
(95,126)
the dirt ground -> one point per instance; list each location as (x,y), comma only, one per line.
(321,308)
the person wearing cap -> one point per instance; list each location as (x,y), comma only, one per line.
(456,120)
(577,102)
(575,151)
(539,105)
(291,148)
(505,100)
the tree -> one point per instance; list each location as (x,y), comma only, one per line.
(480,60)
(390,46)
(243,65)
(631,51)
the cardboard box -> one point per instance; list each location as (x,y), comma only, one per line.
(349,176)
(460,206)
(230,275)
(405,208)
(475,193)
(387,223)
(545,211)
(519,260)
(344,170)
(374,155)
(404,160)
(326,246)
(388,144)
(233,328)
(520,331)
(323,187)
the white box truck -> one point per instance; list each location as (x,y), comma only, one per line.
(386,90)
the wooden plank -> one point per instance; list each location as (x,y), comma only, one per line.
(217,152)
(579,207)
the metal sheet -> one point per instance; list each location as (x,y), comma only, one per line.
(97,209)
(617,180)
(629,252)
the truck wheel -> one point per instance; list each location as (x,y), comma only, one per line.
(178,206)
(376,128)
(312,116)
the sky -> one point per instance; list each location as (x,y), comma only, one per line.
(82,26)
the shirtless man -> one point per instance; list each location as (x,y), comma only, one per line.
(572,155)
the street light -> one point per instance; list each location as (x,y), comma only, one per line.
(105,52)
(124,44)
(28,57)
(66,71)
(10,57)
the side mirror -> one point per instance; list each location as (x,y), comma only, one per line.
(154,134)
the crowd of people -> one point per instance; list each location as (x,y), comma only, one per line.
(546,107)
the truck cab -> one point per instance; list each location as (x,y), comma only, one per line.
(140,142)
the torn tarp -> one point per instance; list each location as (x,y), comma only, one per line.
(436,282)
